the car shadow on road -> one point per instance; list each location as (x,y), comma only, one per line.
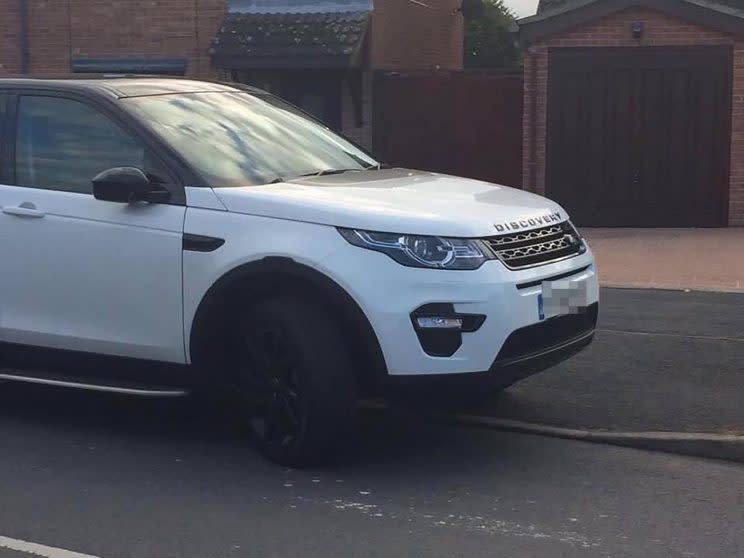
(197,427)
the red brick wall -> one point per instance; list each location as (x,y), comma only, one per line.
(49,36)
(10,54)
(613,30)
(403,34)
(408,36)
(63,29)
(209,17)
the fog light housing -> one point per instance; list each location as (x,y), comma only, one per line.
(438,322)
(439,328)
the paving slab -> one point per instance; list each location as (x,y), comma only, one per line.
(697,259)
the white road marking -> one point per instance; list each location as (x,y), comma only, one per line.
(39,549)
(489,526)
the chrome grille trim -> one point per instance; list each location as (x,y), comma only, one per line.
(525,249)
(525,236)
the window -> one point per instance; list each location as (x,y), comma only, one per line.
(240,139)
(62,144)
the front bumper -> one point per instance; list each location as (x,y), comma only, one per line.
(504,371)
(388,293)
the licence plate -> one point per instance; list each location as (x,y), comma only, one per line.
(562,297)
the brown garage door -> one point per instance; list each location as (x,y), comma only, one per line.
(640,136)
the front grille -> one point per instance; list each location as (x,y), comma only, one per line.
(551,333)
(539,246)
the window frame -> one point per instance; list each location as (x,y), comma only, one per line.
(119,117)
(4,133)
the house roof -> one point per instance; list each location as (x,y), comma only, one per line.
(558,15)
(292,34)
(545,5)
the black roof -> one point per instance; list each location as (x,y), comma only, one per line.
(121,87)
(555,16)
(291,40)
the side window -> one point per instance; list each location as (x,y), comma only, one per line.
(62,144)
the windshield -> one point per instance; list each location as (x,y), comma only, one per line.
(239,139)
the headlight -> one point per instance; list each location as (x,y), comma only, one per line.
(421,251)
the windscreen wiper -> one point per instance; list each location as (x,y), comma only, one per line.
(328,172)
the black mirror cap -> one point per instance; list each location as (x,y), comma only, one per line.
(127,185)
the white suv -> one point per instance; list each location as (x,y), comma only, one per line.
(158,236)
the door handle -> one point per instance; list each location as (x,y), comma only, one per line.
(26,209)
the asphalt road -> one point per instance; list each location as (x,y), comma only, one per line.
(111,477)
(661,360)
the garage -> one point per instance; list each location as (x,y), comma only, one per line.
(640,137)
(634,111)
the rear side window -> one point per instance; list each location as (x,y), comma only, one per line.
(62,144)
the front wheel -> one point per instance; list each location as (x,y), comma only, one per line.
(296,376)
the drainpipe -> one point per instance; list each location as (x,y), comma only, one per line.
(533,121)
(23,41)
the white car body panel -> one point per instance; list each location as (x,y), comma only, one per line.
(91,276)
(203,198)
(298,221)
(248,238)
(392,292)
(98,305)
(394,200)
(180,236)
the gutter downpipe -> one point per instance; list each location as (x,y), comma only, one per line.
(529,170)
(23,39)
(533,121)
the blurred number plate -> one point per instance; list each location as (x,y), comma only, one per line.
(562,297)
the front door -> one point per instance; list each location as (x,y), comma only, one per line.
(640,136)
(78,273)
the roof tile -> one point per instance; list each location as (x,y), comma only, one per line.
(285,34)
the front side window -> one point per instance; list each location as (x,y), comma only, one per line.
(243,139)
(62,144)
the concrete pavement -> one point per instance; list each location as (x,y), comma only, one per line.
(111,477)
(697,259)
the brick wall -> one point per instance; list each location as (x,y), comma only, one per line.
(403,35)
(209,17)
(63,29)
(613,30)
(408,36)
(10,53)
(49,36)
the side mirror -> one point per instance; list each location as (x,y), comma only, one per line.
(127,185)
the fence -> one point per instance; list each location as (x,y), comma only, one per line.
(463,123)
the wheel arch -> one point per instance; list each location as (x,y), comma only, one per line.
(237,288)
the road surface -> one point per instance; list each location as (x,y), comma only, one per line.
(111,477)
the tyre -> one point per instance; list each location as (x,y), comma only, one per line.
(296,376)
